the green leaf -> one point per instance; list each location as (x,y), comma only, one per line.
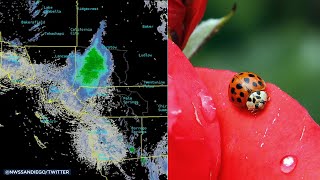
(204,31)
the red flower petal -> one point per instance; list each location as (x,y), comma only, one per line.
(176,12)
(195,12)
(194,139)
(253,145)
(183,18)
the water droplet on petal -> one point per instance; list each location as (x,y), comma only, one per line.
(208,108)
(176,112)
(288,163)
(197,116)
(173,115)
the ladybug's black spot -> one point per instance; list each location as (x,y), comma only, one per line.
(240,73)
(254,84)
(249,99)
(232,80)
(256,106)
(258,97)
(247,80)
(259,77)
(258,92)
(233,91)
(254,100)
(239,100)
(260,83)
(251,75)
(241,94)
(232,99)
(239,86)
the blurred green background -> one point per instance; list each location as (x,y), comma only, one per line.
(279,40)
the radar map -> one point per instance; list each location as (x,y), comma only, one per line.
(83,88)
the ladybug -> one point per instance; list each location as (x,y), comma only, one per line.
(247,90)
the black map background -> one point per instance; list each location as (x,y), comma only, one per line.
(19,149)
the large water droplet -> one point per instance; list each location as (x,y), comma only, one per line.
(288,163)
(208,109)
